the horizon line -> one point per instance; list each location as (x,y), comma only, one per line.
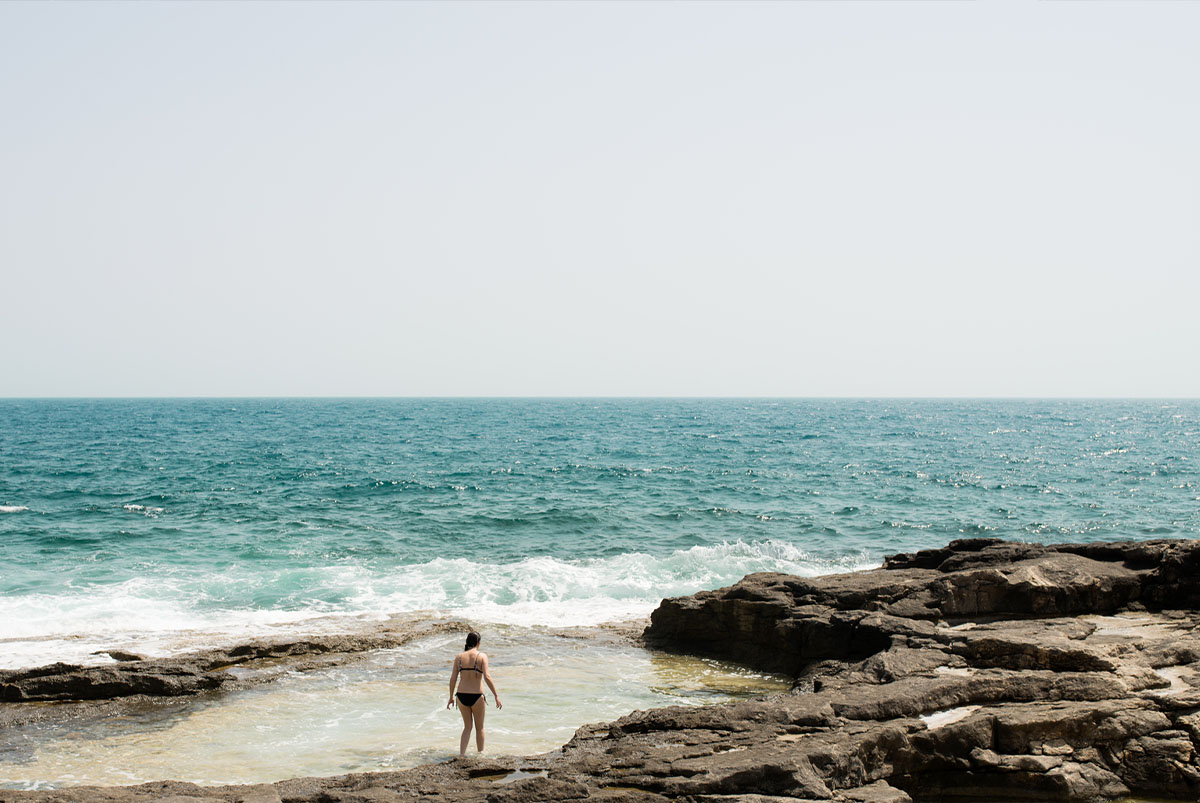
(469,397)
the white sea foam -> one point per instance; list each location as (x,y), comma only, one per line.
(554,592)
(162,615)
(143,509)
(12,508)
(940,719)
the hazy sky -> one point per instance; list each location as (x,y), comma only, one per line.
(991,198)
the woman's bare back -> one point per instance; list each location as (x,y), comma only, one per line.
(472,665)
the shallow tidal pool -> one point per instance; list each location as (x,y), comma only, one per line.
(386,711)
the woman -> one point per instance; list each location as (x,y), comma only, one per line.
(473,667)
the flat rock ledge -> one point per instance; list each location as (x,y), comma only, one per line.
(235,666)
(983,671)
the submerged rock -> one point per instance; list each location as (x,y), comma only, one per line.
(986,670)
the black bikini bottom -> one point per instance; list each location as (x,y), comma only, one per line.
(466,699)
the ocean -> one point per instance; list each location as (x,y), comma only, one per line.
(142,518)
(161,526)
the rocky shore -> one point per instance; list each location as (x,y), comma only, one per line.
(985,670)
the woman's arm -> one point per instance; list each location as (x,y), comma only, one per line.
(487,678)
(453,682)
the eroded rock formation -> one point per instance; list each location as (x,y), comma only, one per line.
(984,670)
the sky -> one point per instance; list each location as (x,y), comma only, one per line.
(600,199)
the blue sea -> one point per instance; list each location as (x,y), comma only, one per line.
(167,524)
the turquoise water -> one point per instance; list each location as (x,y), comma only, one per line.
(163,522)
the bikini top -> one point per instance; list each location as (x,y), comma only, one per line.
(470,668)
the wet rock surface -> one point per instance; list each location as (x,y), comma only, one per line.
(986,670)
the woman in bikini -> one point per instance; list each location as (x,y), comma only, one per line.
(472,665)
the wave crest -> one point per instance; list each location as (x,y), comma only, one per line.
(159,615)
(555,592)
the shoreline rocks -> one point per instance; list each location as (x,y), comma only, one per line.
(986,670)
(202,670)
(783,623)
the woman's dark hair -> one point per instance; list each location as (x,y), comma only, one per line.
(472,640)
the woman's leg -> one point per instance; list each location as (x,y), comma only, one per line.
(465,739)
(477,711)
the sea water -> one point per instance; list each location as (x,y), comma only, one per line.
(160,526)
(386,711)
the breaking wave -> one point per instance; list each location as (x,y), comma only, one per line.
(161,615)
